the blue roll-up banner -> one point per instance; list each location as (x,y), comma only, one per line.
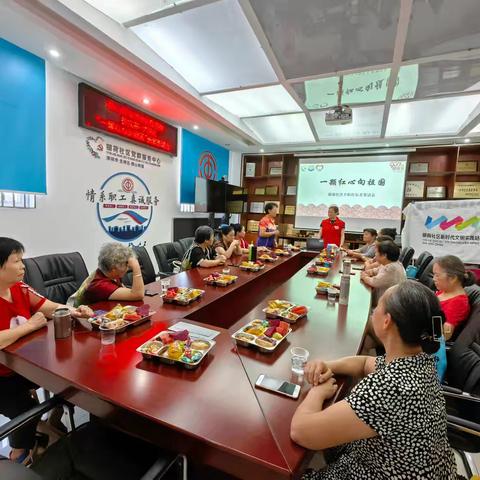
(200,158)
(22,120)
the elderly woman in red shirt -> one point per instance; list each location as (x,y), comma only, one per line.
(332,229)
(450,278)
(22,311)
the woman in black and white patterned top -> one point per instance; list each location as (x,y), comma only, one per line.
(393,423)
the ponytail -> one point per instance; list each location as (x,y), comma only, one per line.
(454,267)
(413,307)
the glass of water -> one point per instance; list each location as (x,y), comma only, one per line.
(299,359)
(165,283)
(332,296)
(107,334)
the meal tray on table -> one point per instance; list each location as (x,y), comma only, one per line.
(282,253)
(267,258)
(182,295)
(285,310)
(188,353)
(251,266)
(255,334)
(220,279)
(121,317)
(316,270)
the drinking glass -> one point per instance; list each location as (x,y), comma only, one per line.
(108,335)
(299,359)
(165,283)
(332,296)
(226,271)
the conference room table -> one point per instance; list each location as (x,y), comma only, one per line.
(213,414)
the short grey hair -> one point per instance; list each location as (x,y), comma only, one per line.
(113,255)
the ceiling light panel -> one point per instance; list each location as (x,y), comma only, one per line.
(441,77)
(439,116)
(367,122)
(312,37)
(442,26)
(256,101)
(290,128)
(126,10)
(358,88)
(213,47)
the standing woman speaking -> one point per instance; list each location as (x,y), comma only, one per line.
(267,229)
(332,229)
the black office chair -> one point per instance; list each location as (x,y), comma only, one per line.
(463,425)
(463,356)
(473,292)
(406,256)
(184,244)
(56,276)
(422,262)
(427,276)
(314,244)
(166,254)
(93,451)
(148,270)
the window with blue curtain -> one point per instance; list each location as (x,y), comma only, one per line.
(22,120)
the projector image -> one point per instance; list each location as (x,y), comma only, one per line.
(339,115)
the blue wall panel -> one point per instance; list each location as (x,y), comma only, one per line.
(22,120)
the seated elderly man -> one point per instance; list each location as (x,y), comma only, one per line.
(105,283)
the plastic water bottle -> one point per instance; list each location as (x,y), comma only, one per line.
(344,289)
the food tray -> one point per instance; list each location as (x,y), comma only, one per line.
(249,340)
(267,258)
(323,262)
(316,270)
(251,268)
(285,313)
(155,349)
(281,252)
(121,324)
(323,290)
(220,280)
(184,295)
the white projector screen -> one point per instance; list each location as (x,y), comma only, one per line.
(368,191)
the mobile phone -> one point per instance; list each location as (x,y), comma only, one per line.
(437,328)
(149,293)
(278,386)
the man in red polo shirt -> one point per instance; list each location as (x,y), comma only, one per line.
(332,229)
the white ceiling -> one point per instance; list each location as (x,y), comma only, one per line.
(271,68)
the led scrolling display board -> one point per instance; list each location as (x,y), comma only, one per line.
(102,113)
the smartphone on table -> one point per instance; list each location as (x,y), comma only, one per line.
(282,387)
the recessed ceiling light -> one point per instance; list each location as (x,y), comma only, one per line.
(54,53)
(195,127)
(262,150)
(467,140)
(146,101)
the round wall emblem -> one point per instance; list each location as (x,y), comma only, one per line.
(207,166)
(124,207)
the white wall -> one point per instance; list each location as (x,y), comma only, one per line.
(64,220)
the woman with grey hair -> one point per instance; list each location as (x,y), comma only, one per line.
(114,260)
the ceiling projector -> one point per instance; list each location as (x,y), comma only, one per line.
(339,115)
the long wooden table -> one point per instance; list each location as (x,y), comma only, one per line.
(213,414)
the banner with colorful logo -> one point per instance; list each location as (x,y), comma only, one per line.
(450,227)
(200,158)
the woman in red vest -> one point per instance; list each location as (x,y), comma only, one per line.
(332,229)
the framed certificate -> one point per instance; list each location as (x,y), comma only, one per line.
(419,168)
(414,189)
